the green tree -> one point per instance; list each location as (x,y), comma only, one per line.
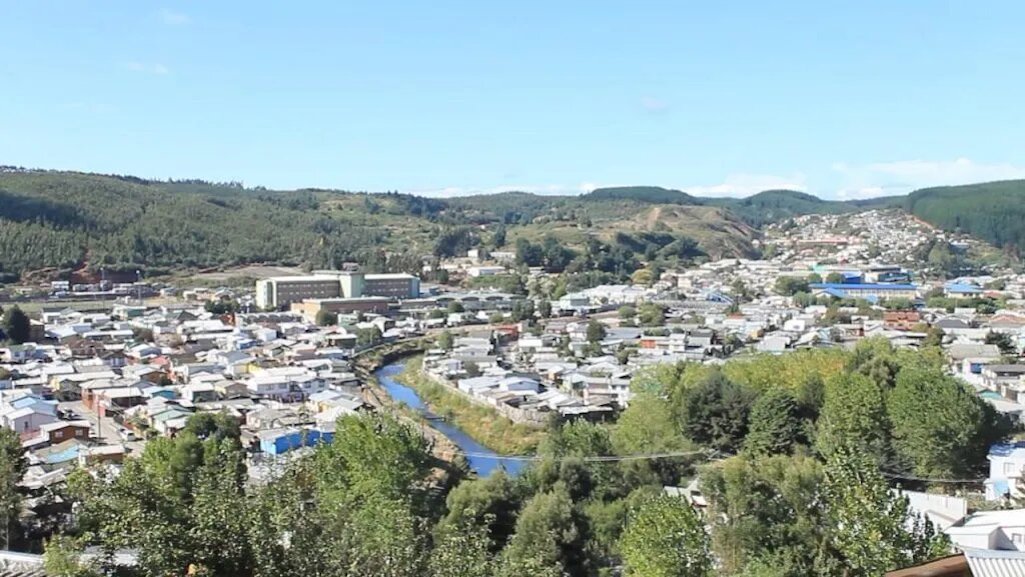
(326,318)
(834,278)
(546,537)
(791,285)
(12,468)
(445,340)
(368,336)
(716,412)
(16,325)
(461,550)
(665,538)
(1003,341)
(544,308)
(627,312)
(651,315)
(775,425)
(595,331)
(874,530)
(940,427)
(854,416)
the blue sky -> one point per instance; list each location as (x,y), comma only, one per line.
(443,98)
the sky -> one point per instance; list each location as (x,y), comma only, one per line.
(839,99)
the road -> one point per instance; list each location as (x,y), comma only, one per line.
(106,432)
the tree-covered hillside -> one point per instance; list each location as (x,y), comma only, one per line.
(58,222)
(66,220)
(992,211)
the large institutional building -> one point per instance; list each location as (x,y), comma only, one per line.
(278,292)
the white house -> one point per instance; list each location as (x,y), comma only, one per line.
(997,530)
(1006,463)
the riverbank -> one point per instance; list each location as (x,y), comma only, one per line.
(484,424)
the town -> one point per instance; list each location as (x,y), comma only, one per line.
(288,356)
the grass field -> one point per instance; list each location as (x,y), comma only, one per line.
(484,424)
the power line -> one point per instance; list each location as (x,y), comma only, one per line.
(892,475)
(586,459)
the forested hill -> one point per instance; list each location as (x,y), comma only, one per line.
(56,222)
(992,211)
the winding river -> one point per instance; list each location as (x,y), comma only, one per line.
(483,460)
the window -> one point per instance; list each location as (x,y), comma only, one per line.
(1016,538)
(1009,468)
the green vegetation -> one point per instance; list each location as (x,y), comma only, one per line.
(992,211)
(16,325)
(805,495)
(483,423)
(63,222)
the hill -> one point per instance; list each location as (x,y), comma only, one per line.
(992,211)
(65,221)
(56,222)
(648,194)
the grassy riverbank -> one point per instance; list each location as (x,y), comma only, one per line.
(484,424)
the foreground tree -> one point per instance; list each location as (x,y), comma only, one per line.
(665,538)
(873,528)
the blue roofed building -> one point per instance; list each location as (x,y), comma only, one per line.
(959,290)
(281,441)
(869,291)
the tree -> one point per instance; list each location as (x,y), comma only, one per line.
(627,312)
(872,528)
(940,427)
(445,340)
(1003,341)
(651,315)
(16,325)
(775,424)
(791,285)
(544,308)
(12,468)
(716,412)
(834,278)
(326,318)
(498,237)
(854,416)
(546,537)
(665,538)
(595,331)
(768,508)
(461,550)
(455,307)
(368,336)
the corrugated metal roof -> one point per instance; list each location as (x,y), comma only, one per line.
(988,563)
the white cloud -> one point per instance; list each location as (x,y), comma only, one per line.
(172,18)
(654,105)
(748,184)
(154,68)
(899,177)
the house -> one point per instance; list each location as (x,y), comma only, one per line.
(60,431)
(968,359)
(1006,464)
(995,530)
(968,563)
(1004,379)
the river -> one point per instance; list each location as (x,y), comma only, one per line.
(483,460)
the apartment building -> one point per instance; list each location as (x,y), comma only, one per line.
(278,292)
